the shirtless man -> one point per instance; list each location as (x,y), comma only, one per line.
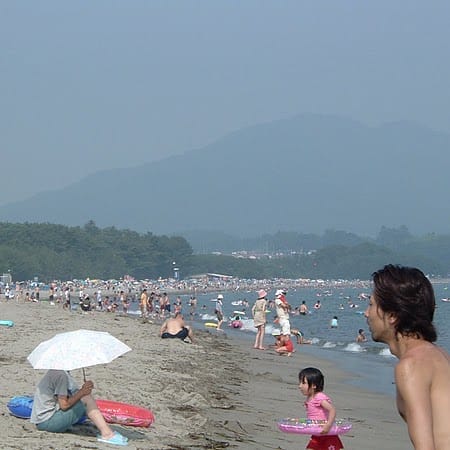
(361,337)
(143,303)
(303,308)
(176,328)
(400,314)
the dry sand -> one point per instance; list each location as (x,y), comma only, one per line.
(215,393)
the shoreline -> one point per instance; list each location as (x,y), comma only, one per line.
(215,393)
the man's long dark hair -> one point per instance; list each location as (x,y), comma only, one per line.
(408,294)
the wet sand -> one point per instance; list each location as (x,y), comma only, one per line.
(215,393)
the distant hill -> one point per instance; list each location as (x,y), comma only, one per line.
(308,173)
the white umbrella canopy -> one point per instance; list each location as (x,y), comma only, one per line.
(76,350)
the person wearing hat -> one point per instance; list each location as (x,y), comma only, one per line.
(259,318)
(219,312)
(282,308)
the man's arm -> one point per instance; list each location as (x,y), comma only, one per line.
(163,328)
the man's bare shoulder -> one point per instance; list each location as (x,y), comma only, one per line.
(424,357)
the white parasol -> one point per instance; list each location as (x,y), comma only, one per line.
(76,350)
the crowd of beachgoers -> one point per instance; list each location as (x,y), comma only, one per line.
(58,291)
(194,403)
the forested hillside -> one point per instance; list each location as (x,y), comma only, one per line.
(51,252)
(59,252)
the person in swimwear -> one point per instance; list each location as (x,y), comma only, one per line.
(334,322)
(303,308)
(318,407)
(143,304)
(286,346)
(176,328)
(300,337)
(361,337)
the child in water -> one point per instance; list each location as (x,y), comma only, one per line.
(318,407)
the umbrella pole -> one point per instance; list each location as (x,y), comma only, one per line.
(84,374)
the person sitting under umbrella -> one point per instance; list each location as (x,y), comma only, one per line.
(58,404)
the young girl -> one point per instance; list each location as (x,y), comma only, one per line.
(318,407)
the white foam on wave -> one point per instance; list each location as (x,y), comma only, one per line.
(248,325)
(269,329)
(329,345)
(354,348)
(386,352)
(207,317)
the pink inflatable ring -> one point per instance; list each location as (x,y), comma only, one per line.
(312,427)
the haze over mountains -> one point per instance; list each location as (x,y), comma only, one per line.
(307,174)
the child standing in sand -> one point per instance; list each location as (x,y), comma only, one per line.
(318,407)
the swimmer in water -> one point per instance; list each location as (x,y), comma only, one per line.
(334,322)
(303,308)
(361,337)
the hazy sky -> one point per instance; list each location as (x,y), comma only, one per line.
(91,85)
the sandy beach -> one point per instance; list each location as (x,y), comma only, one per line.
(215,393)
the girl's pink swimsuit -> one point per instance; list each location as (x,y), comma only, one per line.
(315,411)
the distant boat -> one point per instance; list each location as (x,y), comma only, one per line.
(445,299)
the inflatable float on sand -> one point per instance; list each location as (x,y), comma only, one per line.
(113,412)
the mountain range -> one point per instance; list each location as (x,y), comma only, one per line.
(308,173)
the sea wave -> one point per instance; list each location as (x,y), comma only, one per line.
(329,344)
(386,352)
(355,348)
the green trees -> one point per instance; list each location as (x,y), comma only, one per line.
(52,252)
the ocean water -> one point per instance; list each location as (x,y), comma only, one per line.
(370,363)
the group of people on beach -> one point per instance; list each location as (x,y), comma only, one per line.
(400,314)
(283,343)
